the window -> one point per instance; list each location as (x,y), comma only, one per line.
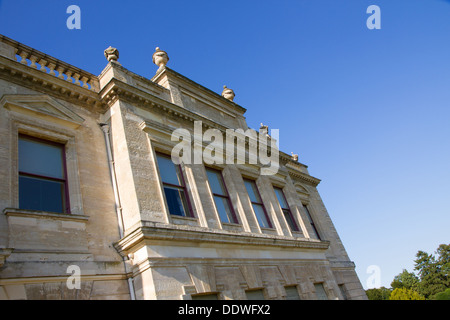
(42,176)
(286,210)
(257,204)
(221,198)
(207,296)
(320,292)
(311,221)
(174,186)
(255,294)
(292,293)
(343,291)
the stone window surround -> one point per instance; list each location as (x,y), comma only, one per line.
(229,184)
(294,213)
(312,214)
(184,187)
(25,125)
(246,173)
(227,196)
(189,220)
(65,205)
(249,172)
(269,217)
(164,145)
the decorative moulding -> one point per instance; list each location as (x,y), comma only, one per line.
(44,215)
(42,106)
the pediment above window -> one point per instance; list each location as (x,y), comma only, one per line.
(43,107)
(301,191)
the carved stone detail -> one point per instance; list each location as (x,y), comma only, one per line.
(228,93)
(111,54)
(160,58)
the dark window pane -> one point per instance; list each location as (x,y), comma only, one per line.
(312,222)
(223,207)
(315,231)
(212,296)
(261,216)
(292,293)
(281,198)
(40,158)
(168,171)
(308,214)
(255,295)
(176,201)
(290,221)
(252,191)
(216,182)
(41,194)
(320,292)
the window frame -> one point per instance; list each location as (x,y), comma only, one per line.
(205,296)
(257,291)
(269,222)
(296,290)
(311,221)
(65,195)
(287,210)
(320,286)
(227,196)
(183,187)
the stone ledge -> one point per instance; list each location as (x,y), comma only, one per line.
(342,265)
(158,232)
(44,215)
(4,253)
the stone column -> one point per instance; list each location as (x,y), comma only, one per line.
(137,178)
(204,203)
(239,197)
(295,204)
(273,209)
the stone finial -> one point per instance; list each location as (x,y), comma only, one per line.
(111,54)
(294,156)
(264,127)
(228,93)
(160,58)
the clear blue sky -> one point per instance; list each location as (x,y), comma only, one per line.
(367,110)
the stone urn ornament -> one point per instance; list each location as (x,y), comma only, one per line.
(160,58)
(111,54)
(228,93)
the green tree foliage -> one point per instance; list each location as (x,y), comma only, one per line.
(433,270)
(406,280)
(378,293)
(444,295)
(405,294)
(432,280)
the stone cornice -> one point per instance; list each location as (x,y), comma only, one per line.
(157,232)
(286,158)
(297,175)
(234,106)
(342,265)
(139,80)
(116,89)
(4,253)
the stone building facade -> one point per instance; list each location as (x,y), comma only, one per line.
(89,208)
